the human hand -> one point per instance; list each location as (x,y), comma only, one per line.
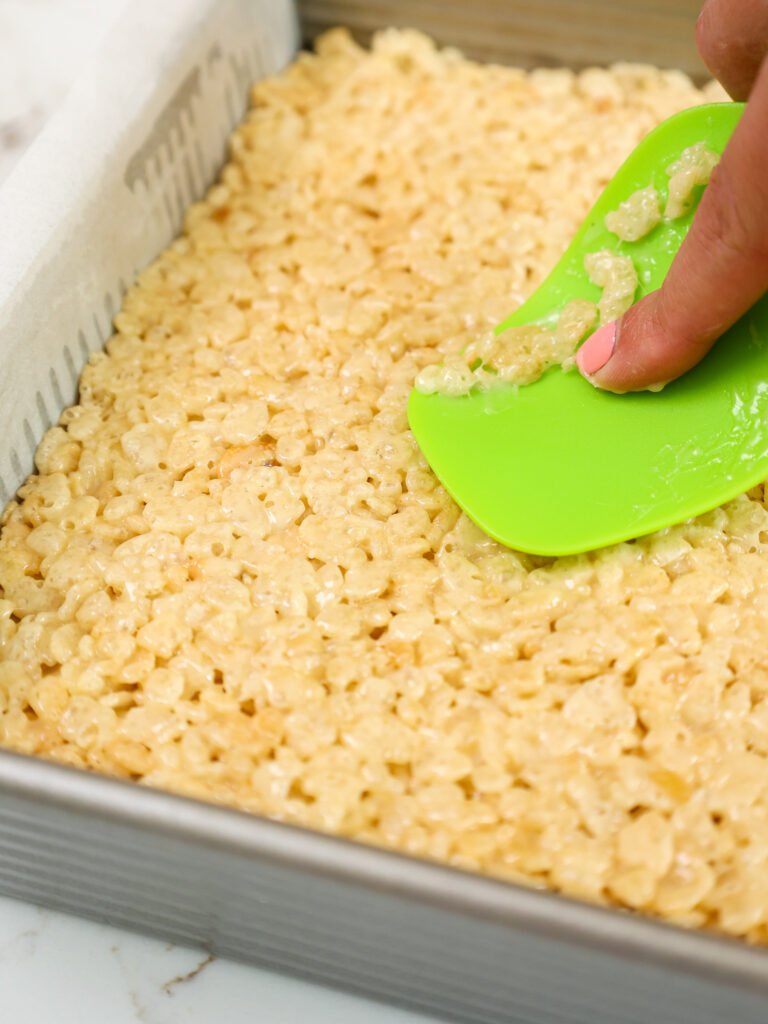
(721,269)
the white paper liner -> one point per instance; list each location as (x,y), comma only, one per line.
(104,188)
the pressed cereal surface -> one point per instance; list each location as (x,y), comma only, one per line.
(235,576)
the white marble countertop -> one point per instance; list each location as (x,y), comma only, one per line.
(57,968)
(54,967)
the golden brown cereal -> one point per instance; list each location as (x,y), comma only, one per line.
(235,576)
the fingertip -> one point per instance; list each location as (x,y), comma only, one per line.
(597,350)
(634,353)
(732,40)
(701,29)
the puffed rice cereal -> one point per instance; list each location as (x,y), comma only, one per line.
(235,577)
(636,216)
(518,355)
(693,168)
(617,276)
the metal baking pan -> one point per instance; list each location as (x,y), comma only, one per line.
(531,33)
(93,201)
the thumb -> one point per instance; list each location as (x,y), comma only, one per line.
(720,270)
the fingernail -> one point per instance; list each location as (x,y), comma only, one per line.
(597,349)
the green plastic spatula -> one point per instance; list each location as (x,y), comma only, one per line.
(558,467)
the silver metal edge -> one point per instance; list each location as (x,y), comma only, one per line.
(217,827)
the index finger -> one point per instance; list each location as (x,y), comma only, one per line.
(719,272)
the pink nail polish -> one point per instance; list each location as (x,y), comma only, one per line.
(597,349)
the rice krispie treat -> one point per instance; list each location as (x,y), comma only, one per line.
(235,577)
